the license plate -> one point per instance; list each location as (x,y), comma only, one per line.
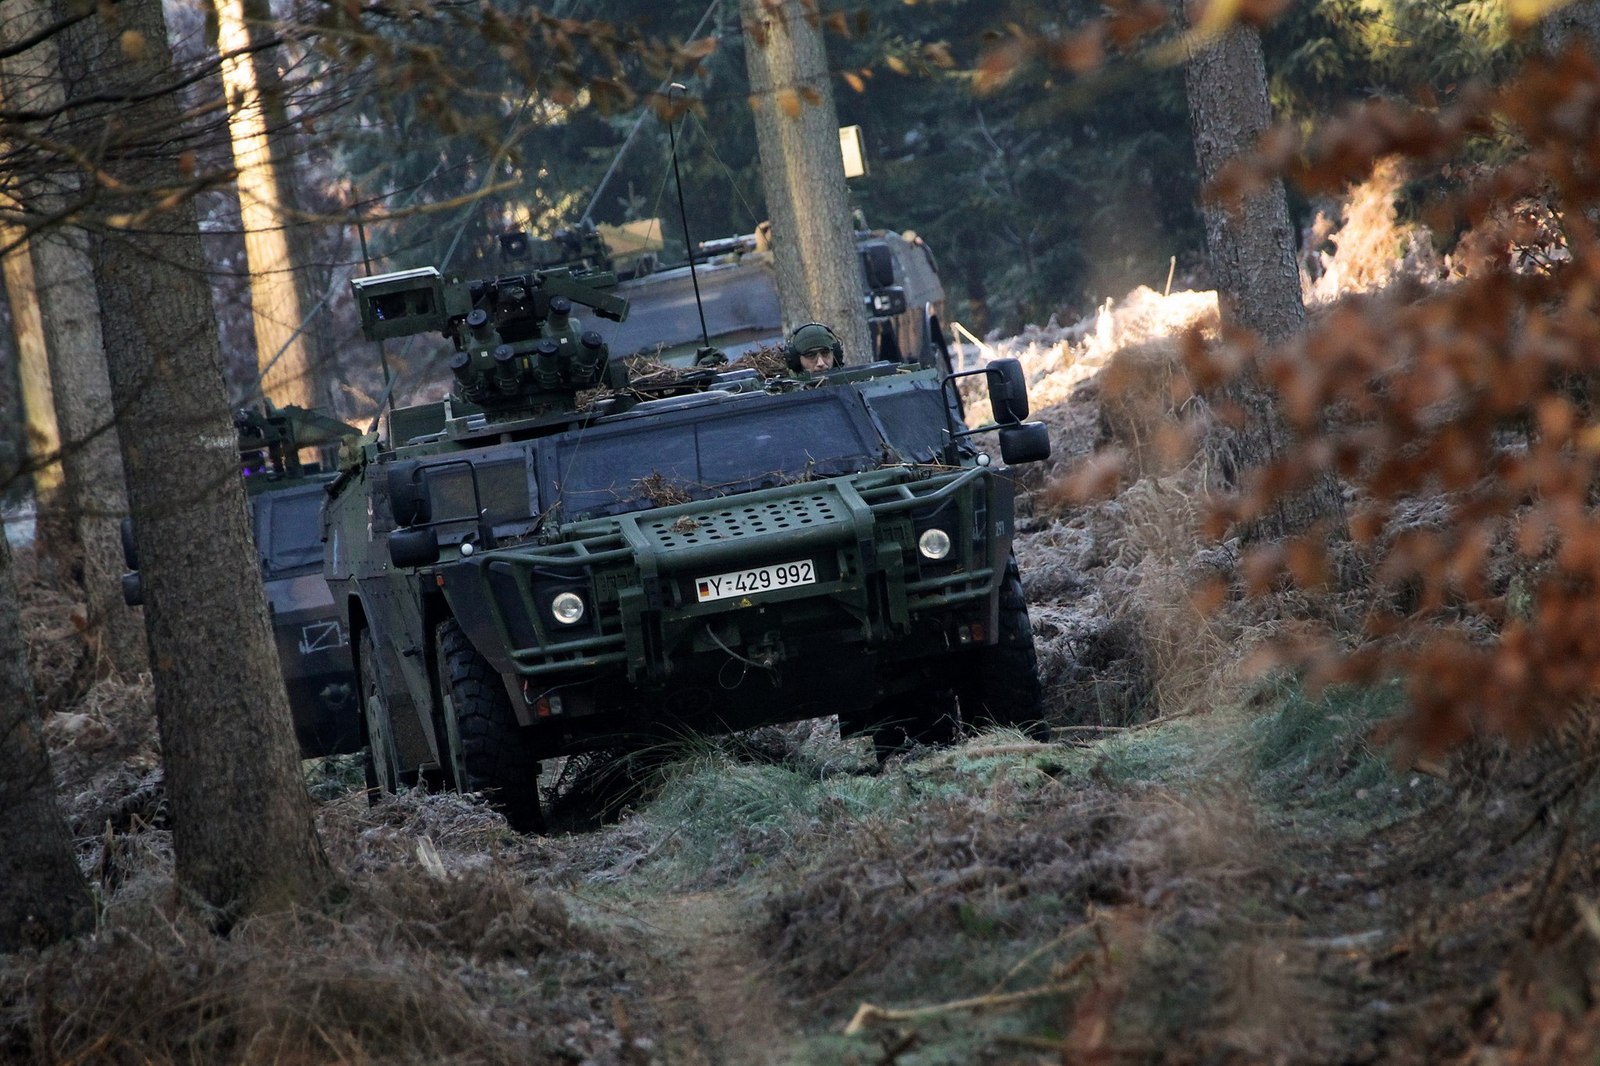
(756,579)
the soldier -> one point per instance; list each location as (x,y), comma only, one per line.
(813,348)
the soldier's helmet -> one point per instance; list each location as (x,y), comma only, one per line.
(812,337)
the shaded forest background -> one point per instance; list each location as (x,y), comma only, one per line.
(1041,193)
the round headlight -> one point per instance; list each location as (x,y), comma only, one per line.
(567,607)
(934,544)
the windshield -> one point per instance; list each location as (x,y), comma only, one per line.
(289,529)
(656,464)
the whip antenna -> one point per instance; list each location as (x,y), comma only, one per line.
(683,215)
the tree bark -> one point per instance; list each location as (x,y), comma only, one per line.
(96,497)
(1576,21)
(242,828)
(313,275)
(802,172)
(282,355)
(1252,242)
(43,436)
(43,895)
(1251,245)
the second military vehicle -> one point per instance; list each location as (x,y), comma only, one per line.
(734,292)
(550,562)
(286,497)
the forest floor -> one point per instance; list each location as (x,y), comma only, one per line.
(1206,863)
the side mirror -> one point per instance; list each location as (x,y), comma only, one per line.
(414,547)
(1025,443)
(1008,391)
(133,589)
(408,498)
(130,550)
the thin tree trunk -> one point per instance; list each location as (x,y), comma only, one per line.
(312,275)
(96,496)
(1251,245)
(802,172)
(281,350)
(33,370)
(43,895)
(242,827)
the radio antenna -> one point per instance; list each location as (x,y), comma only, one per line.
(683,214)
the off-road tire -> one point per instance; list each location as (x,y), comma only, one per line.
(926,715)
(999,685)
(378,759)
(488,751)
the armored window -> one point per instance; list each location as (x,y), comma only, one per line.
(780,445)
(914,422)
(292,528)
(611,470)
(458,490)
(603,473)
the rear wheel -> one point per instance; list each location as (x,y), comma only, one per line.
(379,760)
(1002,687)
(488,751)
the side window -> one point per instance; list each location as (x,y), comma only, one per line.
(293,529)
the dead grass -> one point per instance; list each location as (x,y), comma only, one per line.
(1000,877)
(54,620)
(1359,244)
(437,951)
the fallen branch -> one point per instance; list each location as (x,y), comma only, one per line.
(1027,747)
(867,1014)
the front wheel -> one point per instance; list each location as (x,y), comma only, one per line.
(1002,685)
(379,758)
(487,749)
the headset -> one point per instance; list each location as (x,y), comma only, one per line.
(792,354)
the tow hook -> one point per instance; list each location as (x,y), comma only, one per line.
(768,652)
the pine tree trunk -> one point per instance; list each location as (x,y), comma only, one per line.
(1576,21)
(96,497)
(33,372)
(242,827)
(312,274)
(43,895)
(281,351)
(802,172)
(1251,247)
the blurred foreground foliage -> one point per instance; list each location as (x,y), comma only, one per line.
(1473,398)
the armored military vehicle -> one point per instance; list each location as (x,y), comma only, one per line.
(286,497)
(738,295)
(551,561)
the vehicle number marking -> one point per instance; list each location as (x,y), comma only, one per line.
(756,579)
(317,636)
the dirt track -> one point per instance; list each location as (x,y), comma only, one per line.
(718,1000)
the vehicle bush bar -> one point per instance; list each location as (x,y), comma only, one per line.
(556,658)
(915,493)
(949,588)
